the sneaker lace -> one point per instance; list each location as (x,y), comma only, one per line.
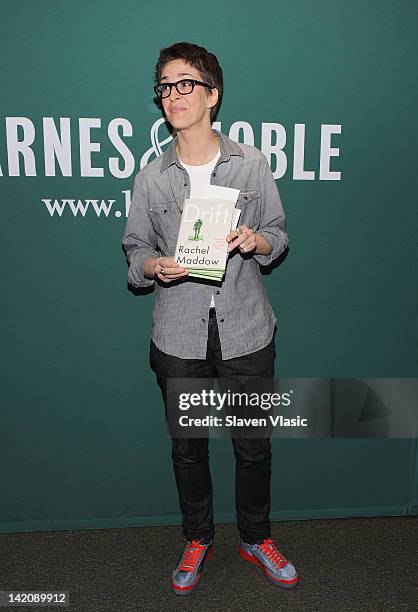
(191,555)
(271,551)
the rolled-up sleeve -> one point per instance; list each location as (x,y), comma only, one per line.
(272,218)
(139,239)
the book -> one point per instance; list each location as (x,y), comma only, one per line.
(201,243)
(208,274)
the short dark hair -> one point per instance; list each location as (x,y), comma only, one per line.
(198,57)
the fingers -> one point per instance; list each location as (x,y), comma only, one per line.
(243,237)
(168,278)
(166,269)
(235,233)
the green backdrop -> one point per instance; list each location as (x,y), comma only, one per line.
(83,441)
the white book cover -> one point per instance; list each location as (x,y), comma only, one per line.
(205,224)
(223,193)
(235,217)
(216,275)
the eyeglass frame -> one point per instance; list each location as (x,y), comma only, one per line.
(193,81)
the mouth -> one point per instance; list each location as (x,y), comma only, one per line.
(177,110)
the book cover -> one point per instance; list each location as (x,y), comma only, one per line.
(201,243)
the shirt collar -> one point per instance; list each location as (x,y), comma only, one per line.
(227,147)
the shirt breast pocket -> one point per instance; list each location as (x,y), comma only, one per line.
(165,218)
(249,202)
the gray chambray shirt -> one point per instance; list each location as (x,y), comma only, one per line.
(180,315)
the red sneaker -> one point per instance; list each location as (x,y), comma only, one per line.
(274,564)
(189,567)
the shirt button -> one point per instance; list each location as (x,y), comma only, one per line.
(222,320)
(217,292)
(213,173)
(203,320)
(185,184)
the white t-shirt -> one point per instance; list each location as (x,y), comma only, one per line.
(199,181)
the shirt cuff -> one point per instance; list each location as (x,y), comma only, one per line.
(136,269)
(278,241)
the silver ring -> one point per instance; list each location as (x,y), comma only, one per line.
(239,230)
(162,271)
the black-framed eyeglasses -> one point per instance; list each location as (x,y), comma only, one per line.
(184,87)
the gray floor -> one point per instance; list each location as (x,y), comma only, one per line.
(344,564)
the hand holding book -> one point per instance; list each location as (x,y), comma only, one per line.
(167,269)
(242,237)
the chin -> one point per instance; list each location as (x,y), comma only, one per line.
(176,120)
(181,123)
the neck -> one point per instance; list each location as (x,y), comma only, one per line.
(197,147)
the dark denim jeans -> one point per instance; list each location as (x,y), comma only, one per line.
(191,455)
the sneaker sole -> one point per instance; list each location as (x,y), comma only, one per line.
(188,589)
(287,584)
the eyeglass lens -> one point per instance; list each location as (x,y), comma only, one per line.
(183,87)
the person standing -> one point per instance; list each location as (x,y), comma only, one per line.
(203,330)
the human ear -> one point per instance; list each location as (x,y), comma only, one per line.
(213,97)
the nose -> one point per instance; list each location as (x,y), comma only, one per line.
(174,94)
